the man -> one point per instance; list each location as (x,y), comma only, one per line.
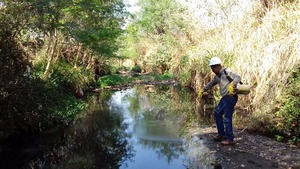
(227,81)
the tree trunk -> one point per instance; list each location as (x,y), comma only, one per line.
(90,61)
(77,55)
(58,52)
(84,57)
(51,55)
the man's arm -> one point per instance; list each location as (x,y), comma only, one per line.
(211,84)
(235,77)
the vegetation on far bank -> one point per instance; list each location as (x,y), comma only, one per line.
(121,80)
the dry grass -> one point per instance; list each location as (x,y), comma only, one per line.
(262,47)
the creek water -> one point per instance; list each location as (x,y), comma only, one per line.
(154,139)
(137,128)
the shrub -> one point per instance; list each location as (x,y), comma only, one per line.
(137,69)
(113,80)
(289,113)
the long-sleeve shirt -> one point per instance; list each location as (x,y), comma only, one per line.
(223,81)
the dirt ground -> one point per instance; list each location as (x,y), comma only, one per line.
(250,152)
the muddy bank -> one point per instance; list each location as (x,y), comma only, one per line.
(251,151)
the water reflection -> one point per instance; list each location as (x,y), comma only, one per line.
(135,128)
(153,124)
(96,141)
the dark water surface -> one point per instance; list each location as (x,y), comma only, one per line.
(137,128)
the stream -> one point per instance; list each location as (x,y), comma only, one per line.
(136,128)
(143,127)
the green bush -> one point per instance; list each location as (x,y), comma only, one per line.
(30,104)
(137,69)
(113,80)
(163,77)
(289,113)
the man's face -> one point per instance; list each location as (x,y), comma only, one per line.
(216,68)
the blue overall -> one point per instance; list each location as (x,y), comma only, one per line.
(225,108)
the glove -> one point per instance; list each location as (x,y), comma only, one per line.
(231,88)
(202,94)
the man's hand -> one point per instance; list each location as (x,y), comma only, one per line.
(202,94)
(231,88)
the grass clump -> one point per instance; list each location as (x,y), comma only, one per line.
(119,80)
(137,69)
(113,80)
(163,77)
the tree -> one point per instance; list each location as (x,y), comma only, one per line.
(35,29)
(158,35)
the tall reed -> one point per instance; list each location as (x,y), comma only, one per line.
(262,46)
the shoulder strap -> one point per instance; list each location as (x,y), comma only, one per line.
(229,78)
